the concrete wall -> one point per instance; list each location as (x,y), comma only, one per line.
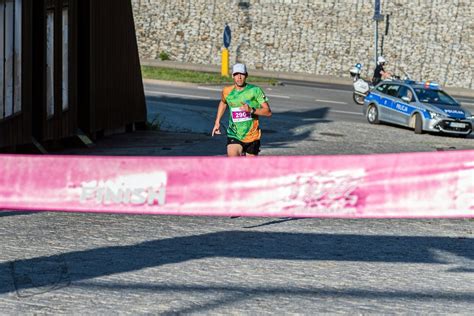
(431,39)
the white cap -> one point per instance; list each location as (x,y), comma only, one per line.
(381,59)
(239,69)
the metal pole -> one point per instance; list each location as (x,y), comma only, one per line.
(225,63)
(376,41)
(376,31)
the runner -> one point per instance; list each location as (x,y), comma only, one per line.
(246,103)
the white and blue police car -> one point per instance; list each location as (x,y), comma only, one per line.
(423,106)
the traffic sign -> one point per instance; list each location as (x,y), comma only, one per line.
(227,36)
(377,16)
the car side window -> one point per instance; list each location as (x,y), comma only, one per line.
(405,92)
(392,90)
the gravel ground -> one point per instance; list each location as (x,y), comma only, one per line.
(60,263)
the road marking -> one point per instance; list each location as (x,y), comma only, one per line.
(346,112)
(210,89)
(278,96)
(329,101)
(466,103)
(269,95)
(177,94)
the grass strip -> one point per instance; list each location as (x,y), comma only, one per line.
(169,74)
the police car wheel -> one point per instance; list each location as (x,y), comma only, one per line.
(373,114)
(418,124)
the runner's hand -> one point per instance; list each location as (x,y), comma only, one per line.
(245,107)
(216,129)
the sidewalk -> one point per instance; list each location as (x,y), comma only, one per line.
(463,92)
(152,143)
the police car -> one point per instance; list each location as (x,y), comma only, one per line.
(423,106)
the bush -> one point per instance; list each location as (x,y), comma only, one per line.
(155,124)
(164,56)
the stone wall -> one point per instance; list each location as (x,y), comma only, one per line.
(430,39)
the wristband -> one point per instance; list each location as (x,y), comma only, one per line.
(252,111)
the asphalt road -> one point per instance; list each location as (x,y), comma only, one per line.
(312,119)
(60,263)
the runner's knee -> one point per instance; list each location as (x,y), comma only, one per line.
(234,150)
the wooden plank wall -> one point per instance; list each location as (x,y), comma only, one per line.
(116,90)
(62,124)
(17,129)
(105,84)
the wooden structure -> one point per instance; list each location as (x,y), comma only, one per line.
(84,73)
(16,78)
(110,79)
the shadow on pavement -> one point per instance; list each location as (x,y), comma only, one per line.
(14,213)
(33,276)
(278,221)
(281,130)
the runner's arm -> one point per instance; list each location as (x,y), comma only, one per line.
(264,110)
(220,112)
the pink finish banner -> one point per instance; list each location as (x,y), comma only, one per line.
(411,185)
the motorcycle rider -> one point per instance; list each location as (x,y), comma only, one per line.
(380,73)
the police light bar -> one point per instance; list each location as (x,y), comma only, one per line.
(432,85)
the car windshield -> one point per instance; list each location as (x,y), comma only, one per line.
(434,96)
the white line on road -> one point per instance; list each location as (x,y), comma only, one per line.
(269,95)
(346,112)
(329,101)
(220,89)
(278,96)
(177,94)
(467,103)
(210,89)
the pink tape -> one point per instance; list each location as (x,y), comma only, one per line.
(439,184)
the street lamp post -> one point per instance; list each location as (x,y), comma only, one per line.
(377,17)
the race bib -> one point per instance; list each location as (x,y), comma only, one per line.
(240,116)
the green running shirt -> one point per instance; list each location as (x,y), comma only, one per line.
(242,125)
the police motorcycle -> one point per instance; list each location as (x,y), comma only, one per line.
(361,86)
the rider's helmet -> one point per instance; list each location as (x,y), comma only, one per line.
(381,60)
